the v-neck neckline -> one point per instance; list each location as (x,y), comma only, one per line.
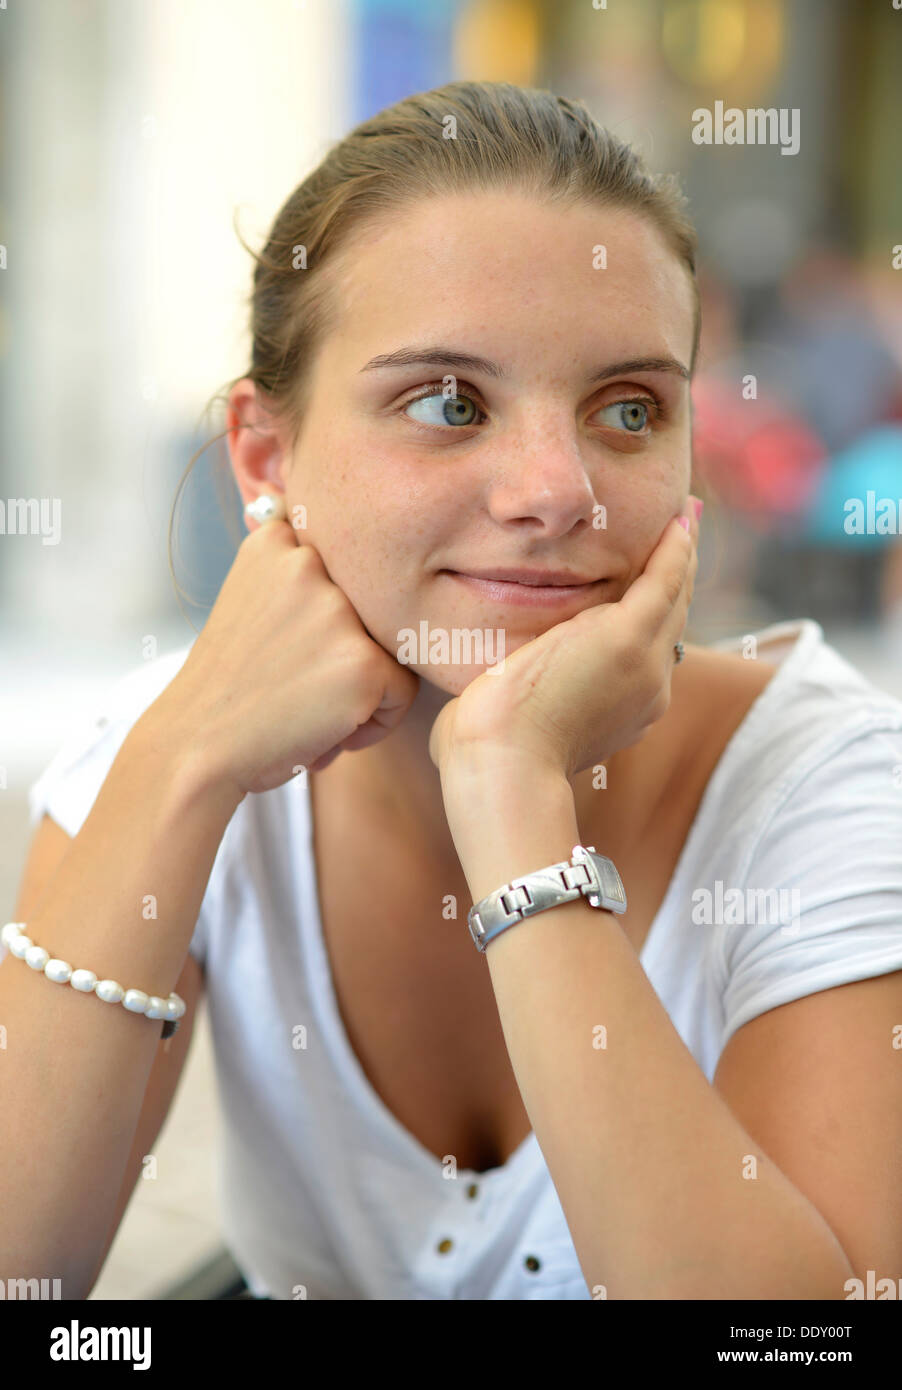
(325,999)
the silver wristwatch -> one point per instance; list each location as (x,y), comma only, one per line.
(587,874)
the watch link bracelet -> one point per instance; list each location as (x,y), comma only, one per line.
(586,874)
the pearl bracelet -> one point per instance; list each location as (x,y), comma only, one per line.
(60,971)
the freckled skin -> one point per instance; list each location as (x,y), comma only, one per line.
(389,503)
(503,276)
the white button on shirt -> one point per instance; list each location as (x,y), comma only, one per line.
(323,1193)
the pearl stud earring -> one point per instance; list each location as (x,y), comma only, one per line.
(266,507)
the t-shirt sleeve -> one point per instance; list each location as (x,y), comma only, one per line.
(821,902)
(69,785)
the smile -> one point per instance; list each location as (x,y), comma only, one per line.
(529,592)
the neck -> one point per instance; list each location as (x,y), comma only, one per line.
(397,778)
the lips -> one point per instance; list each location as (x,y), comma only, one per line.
(533,578)
(525,588)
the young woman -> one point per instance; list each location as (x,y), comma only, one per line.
(474,328)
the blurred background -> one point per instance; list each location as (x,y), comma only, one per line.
(136,137)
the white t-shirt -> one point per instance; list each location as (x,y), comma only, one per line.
(323,1193)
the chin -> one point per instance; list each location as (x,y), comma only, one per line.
(461,655)
(450,680)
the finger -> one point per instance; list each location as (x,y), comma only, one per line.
(693,511)
(322,763)
(674,628)
(278,532)
(675,625)
(373,731)
(654,597)
(269,508)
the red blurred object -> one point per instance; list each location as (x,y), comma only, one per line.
(759,458)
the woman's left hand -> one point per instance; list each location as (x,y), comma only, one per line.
(585,688)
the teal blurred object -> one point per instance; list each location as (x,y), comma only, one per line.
(872,464)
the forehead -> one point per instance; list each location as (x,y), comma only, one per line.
(517,271)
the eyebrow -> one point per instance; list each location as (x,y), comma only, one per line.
(469,362)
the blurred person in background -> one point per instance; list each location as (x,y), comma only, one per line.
(840,369)
(755,451)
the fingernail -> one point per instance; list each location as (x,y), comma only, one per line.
(699,507)
(684,522)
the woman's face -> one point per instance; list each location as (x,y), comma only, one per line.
(551,453)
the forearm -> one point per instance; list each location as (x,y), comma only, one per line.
(75,1070)
(653,1170)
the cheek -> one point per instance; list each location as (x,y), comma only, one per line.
(363,484)
(639,505)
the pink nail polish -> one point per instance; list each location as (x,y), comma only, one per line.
(699,507)
(684,522)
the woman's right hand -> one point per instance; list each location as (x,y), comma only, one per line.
(283,674)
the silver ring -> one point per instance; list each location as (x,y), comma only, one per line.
(680,652)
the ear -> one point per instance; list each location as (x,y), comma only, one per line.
(256,442)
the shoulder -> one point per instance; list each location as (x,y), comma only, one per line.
(782,762)
(722,686)
(791,710)
(94,735)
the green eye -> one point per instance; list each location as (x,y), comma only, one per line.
(630,415)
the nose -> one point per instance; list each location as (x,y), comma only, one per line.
(542,482)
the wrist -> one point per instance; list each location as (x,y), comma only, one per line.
(508,818)
(499,765)
(184,760)
(488,789)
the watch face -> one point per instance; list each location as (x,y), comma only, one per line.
(613,894)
